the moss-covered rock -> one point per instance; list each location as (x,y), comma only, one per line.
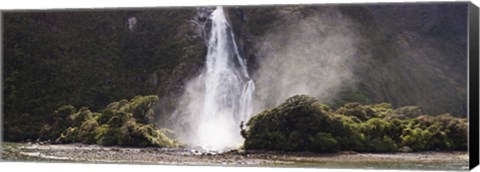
(302,123)
(122,123)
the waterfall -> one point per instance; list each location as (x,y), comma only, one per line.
(220,98)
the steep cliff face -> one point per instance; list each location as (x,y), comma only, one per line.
(91,59)
(410,54)
(425,56)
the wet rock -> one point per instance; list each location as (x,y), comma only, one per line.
(405,149)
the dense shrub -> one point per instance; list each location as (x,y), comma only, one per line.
(124,123)
(301,123)
(323,142)
(292,126)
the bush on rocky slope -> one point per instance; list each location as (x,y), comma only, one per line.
(123,123)
(302,123)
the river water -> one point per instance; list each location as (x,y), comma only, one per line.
(188,156)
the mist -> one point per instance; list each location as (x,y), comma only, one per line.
(313,56)
(335,54)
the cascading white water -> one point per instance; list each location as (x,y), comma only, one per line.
(220,98)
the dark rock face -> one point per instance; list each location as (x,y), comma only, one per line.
(406,54)
(301,123)
(424,57)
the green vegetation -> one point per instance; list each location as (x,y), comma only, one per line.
(91,58)
(301,123)
(123,123)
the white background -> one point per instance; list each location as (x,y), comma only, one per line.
(76,4)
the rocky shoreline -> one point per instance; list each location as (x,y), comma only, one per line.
(186,156)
